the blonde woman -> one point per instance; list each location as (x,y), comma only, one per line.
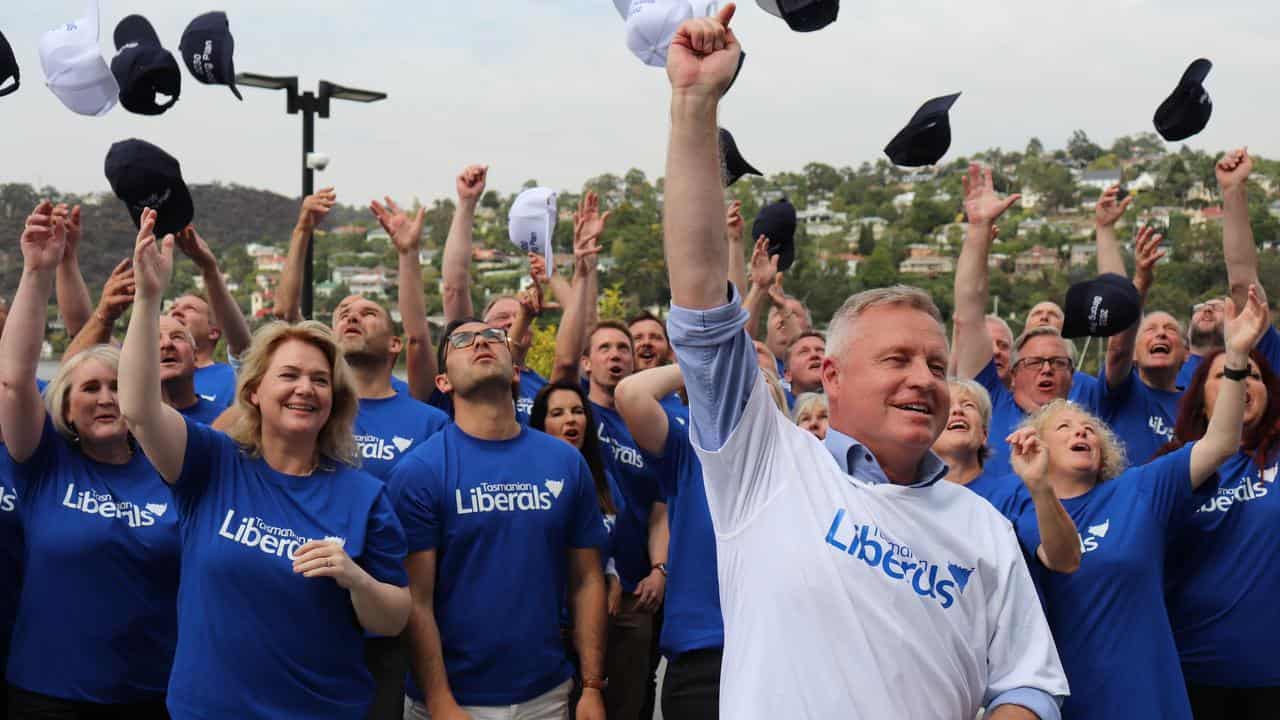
(811,413)
(1109,618)
(288,552)
(95,627)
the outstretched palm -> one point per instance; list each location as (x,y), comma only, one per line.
(152,259)
(405,231)
(44,239)
(981,203)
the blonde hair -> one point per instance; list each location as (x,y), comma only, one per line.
(57,395)
(982,399)
(808,402)
(1113,456)
(775,389)
(336,440)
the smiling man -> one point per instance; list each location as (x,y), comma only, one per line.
(854,536)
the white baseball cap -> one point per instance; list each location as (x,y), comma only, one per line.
(651,24)
(532,221)
(74,68)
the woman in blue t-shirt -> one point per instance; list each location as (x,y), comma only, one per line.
(1223,584)
(95,628)
(1115,642)
(288,552)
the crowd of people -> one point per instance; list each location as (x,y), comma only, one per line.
(877,520)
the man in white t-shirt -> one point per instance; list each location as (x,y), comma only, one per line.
(853,582)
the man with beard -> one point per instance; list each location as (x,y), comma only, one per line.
(1205,336)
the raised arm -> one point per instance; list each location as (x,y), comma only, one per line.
(1222,438)
(21,408)
(406,235)
(456,265)
(224,307)
(1238,247)
(1059,548)
(1146,253)
(733,231)
(638,401)
(1106,214)
(571,337)
(159,429)
(117,296)
(423,633)
(74,304)
(764,278)
(289,290)
(983,207)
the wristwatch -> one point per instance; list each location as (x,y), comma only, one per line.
(595,683)
(661,567)
(1231,373)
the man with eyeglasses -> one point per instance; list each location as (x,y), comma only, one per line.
(1204,336)
(504,529)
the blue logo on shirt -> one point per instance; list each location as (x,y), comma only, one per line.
(870,545)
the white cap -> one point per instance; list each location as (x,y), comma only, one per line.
(650,26)
(74,68)
(532,221)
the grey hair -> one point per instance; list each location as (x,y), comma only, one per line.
(900,295)
(57,394)
(983,399)
(808,316)
(806,402)
(1043,330)
(1002,323)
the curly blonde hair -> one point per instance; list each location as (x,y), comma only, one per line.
(1113,454)
(336,441)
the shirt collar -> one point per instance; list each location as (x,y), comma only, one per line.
(856,460)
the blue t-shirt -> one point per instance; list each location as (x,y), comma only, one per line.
(216,383)
(502,517)
(635,490)
(692,605)
(203,411)
(97,617)
(1223,580)
(257,640)
(1188,369)
(530,383)
(400,386)
(1140,415)
(10,553)
(387,428)
(1085,389)
(1108,618)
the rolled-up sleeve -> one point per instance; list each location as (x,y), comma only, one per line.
(1044,705)
(719,366)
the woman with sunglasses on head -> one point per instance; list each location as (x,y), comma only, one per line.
(288,552)
(1114,638)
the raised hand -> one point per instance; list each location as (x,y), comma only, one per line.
(1233,169)
(538,268)
(1146,253)
(981,203)
(530,299)
(1029,458)
(152,259)
(588,226)
(704,56)
(1243,331)
(1108,211)
(470,183)
(194,247)
(405,232)
(763,270)
(70,217)
(44,239)
(733,222)
(315,206)
(117,293)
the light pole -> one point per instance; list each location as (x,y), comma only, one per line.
(309,104)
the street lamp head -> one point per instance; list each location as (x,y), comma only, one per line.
(268,82)
(333,90)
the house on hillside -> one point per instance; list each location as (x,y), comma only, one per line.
(903,201)
(254,250)
(362,280)
(1099,179)
(930,265)
(1210,214)
(1082,254)
(269,263)
(877,223)
(1036,261)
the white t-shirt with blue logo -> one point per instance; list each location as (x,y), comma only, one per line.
(97,614)
(502,517)
(1108,617)
(387,429)
(1223,582)
(255,639)
(879,600)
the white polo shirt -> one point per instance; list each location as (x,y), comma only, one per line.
(848,599)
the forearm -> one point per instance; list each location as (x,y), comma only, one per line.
(289,289)
(23,338)
(659,533)
(561,289)
(572,333)
(1222,437)
(972,290)
(456,265)
(141,400)
(693,222)
(427,657)
(756,301)
(1110,259)
(590,619)
(1012,712)
(381,608)
(1238,248)
(227,311)
(420,359)
(74,304)
(737,265)
(1059,539)
(97,331)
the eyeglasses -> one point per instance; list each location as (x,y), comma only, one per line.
(1036,364)
(467,338)
(1213,306)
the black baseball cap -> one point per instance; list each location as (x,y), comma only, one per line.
(207,48)
(777,221)
(143,68)
(1104,306)
(803,15)
(732,165)
(8,67)
(927,137)
(1187,109)
(144,176)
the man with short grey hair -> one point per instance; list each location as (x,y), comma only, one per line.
(919,583)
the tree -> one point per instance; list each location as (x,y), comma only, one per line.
(1081,148)
(490,200)
(866,240)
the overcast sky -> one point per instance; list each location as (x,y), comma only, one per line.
(546,89)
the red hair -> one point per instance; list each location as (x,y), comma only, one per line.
(1261,442)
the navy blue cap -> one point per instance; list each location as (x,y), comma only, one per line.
(1104,306)
(777,222)
(144,176)
(803,15)
(732,165)
(207,48)
(8,68)
(1187,109)
(143,68)
(927,137)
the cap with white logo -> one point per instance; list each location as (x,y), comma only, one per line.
(74,68)
(532,221)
